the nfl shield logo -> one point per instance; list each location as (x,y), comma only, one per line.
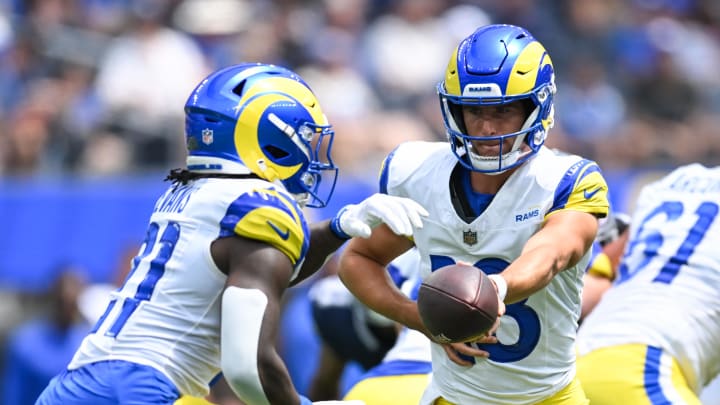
(207,136)
(469,237)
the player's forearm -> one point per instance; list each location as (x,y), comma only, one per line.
(323,243)
(273,386)
(371,284)
(532,271)
(276,380)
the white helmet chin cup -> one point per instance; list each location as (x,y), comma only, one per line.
(492,164)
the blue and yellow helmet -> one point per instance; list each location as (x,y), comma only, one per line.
(495,65)
(261,119)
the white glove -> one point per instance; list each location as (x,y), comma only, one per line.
(401,214)
(351,402)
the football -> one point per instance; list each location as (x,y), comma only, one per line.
(457,303)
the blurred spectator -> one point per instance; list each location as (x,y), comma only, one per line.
(219,27)
(119,67)
(334,79)
(591,109)
(39,349)
(143,81)
(405,50)
(368,139)
(24,141)
(666,95)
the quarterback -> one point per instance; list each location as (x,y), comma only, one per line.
(223,243)
(501,200)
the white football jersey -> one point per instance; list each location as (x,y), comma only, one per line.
(167,313)
(535,357)
(667,293)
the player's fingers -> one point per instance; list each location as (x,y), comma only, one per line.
(469,350)
(415,213)
(488,339)
(455,358)
(495,326)
(398,226)
(397,219)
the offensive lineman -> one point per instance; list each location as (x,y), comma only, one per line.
(654,336)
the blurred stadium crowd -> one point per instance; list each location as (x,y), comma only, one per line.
(96,87)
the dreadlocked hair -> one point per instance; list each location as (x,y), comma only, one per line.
(183,176)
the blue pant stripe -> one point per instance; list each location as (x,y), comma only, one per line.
(652,377)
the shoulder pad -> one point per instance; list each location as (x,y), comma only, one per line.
(405,160)
(270,216)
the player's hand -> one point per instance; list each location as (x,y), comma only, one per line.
(456,351)
(402,215)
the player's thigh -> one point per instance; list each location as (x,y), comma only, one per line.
(572,394)
(110,382)
(639,374)
(390,390)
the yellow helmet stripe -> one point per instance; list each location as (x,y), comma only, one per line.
(523,75)
(452,79)
(292,88)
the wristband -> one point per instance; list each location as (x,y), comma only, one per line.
(304,400)
(335,225)
(500,284)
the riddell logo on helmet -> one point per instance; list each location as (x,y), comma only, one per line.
(477,89)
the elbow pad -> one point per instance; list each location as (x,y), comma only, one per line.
(242,316)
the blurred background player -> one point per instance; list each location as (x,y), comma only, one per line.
(404,372)
(223,243)
(349,332)
(606,253)
(499,199)
(41,347)
(654,336)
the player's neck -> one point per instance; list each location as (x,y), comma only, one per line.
(488,184)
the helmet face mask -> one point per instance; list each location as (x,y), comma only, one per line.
(498,65)
(265,120)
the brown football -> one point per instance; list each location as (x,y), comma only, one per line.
(457,303)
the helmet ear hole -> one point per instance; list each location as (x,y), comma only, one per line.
(276,152)
(240,88)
